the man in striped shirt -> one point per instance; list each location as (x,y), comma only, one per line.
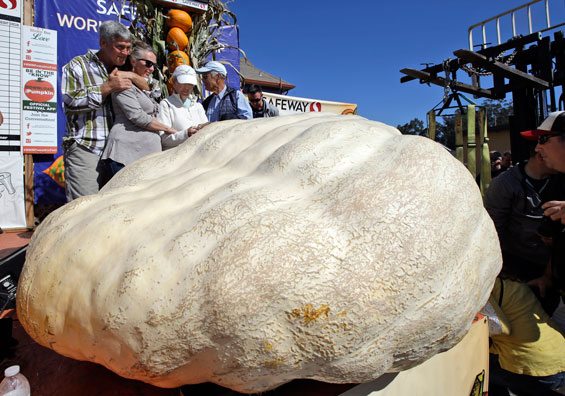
(87,82)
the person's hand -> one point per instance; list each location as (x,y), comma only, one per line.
(555,210)
(126,74)
(1,118)
(119,81)
(192,130)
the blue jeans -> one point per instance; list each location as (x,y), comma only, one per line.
(114,167)
(501,380)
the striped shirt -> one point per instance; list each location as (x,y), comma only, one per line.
(89,117)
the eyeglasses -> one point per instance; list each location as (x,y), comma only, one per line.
(148,63)
(542,139)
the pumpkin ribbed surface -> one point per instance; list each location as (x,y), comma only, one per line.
(180,19)
(307,246)
(176,35)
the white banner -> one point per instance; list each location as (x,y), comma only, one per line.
(293,105)
(39,83)
(12,201)
(10,76)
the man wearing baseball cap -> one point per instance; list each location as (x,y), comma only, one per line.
(550,136)
(225,103)
(551,146)
(551,140)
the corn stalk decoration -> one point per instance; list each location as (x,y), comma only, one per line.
(149,25)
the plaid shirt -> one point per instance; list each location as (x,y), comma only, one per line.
(89,118)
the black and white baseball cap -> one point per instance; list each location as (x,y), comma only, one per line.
(554,123)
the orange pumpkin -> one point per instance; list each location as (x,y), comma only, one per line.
(177,58)
(176,35)
(180,19)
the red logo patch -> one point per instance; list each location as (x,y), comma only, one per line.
(12,2)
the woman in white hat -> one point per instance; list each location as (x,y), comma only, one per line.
(181,111)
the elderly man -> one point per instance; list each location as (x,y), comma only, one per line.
(225,103)
(87,82)
(261,109)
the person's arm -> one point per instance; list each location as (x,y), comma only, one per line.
(165,118)
(202,120)
(136,79)
(117,82)
(244,110)
(156,126)
(129,104)
(1,118)
(80,94)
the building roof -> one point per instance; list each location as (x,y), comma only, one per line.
(253,75)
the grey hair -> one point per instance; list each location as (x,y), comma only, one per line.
(214,73)
(139,48)
(112,30)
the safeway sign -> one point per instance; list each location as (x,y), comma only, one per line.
(293,105)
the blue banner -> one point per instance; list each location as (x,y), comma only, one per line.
(229,36)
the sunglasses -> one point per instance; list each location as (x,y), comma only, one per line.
(148,63)
(542,139)
(255,100)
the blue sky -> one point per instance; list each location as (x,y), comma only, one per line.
(352,51)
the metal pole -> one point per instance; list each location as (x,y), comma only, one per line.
(547,13)
(530,18)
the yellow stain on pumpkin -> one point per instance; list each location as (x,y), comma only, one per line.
(274,363)
(310,314)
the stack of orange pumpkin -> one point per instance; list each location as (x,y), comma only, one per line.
(180,24)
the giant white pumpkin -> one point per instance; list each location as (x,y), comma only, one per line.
(310,246)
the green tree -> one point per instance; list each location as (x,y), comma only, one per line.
(445,133)
(414,127)
(498,111)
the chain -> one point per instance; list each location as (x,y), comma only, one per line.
(471,70)
(447,85)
